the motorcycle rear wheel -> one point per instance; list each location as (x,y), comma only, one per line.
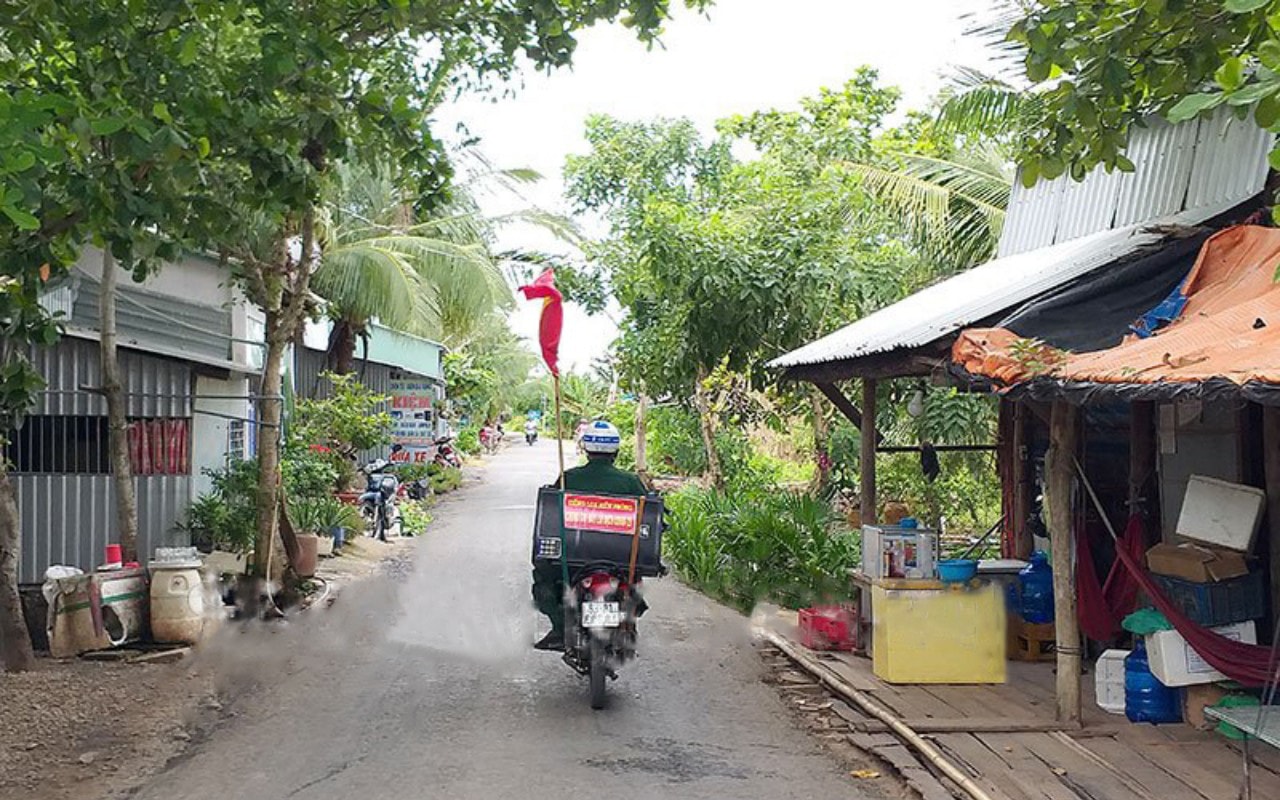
(599,671)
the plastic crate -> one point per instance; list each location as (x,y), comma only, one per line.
(829,628)
(1108,681)
(1222,603)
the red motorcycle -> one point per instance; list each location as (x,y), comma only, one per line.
(446,454)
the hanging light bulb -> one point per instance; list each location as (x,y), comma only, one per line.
(915,406)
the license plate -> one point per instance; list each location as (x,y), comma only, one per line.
(601,615)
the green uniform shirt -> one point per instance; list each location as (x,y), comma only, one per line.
(602,476)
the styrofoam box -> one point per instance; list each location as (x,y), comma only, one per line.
(1221,513)
(1108,681)
(1174,663)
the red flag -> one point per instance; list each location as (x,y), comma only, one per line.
(552,316)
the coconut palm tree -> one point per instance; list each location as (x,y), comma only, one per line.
(436,277)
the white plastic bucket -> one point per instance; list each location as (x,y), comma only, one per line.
(177,604)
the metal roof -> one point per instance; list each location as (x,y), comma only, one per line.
(1059,230)
(984,291)
(1195,164)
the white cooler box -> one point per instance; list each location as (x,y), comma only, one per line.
(1174,663)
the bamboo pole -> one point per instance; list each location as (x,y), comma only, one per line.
(1060,480)
(559,428)
(904,732)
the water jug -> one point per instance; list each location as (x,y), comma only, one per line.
(1036,583)
(1145,698)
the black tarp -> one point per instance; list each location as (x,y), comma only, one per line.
(1094,311)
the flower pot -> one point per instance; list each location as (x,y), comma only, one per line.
(324,546)
(305,566)
(339,535)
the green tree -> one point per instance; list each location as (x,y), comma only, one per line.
(1098,69)
(719,263)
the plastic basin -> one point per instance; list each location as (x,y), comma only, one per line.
(957,570)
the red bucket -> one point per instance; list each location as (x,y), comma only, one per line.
(114,556)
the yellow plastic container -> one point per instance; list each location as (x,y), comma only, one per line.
(952,634)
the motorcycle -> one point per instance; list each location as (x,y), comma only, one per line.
(601,625)
(378,503)
(530,436)
(446,455)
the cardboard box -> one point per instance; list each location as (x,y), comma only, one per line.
(1195,699)
(1196,563)
(1174,663)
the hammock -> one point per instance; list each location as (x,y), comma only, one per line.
(1103,606)
(1248,664)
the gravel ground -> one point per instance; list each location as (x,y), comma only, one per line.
(77,729)
(80,729)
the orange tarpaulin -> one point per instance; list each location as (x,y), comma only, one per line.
(1229,329)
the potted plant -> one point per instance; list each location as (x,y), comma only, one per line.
(338,518)
(305,515)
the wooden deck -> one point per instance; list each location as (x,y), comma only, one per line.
(1004,737)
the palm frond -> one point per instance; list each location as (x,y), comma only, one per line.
(953,208)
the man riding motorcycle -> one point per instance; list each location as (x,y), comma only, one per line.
(600,440)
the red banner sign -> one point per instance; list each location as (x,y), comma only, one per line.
(586,512)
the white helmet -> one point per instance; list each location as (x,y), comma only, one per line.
(601,437)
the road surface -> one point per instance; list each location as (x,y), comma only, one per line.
(427,688)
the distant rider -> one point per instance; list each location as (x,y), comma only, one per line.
(600,440)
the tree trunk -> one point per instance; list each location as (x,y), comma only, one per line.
(642,437)
(343,347)
(15,644)
(270,406)
(821,441)
(708,427)
(1060,473)
(117,415)
(1271,465)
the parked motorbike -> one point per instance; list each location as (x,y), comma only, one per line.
(446,454)
(378,503)
(601,625)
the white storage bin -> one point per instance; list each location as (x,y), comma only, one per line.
(1174,663)
(1108,681)
(1220,513)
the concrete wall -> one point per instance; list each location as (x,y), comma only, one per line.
(210,431)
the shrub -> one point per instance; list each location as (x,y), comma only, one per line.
(225,517)
(468,440)
(745,546)
(415,516)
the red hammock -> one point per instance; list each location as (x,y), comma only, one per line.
(1102,607)
(1250,664)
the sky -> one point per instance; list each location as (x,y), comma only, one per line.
(742,56)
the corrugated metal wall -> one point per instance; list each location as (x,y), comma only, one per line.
(1198,164)
(66,519)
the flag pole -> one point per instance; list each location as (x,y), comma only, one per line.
(559,427)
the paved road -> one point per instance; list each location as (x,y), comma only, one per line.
(427,688)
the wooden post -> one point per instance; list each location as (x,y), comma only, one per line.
(1060,478)
(1271,464)
(1022,489)
(1142,455)
(867,458)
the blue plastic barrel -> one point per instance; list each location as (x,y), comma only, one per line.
(1036,582)
(1146,699)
